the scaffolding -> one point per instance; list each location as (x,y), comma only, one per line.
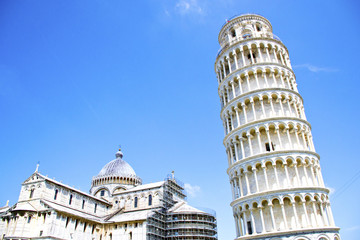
(163,225)
(156,221)
(191,225)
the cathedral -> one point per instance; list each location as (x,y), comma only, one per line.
(118,206)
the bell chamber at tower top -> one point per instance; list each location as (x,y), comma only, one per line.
(245,27)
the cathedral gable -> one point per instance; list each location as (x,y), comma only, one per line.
(35,177)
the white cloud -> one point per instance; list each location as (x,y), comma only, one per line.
(191,190)
(188,6)
(352,228)
(315,69)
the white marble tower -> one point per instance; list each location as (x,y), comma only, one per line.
(274,170)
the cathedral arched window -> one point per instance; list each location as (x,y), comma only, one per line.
(102,193)
(83,204)
(31,193)
(76,223)
(67,222)
(135,202)
(150,200)
(56,193)
(95,207)
(70,199)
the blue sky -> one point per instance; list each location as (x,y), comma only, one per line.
(78,78)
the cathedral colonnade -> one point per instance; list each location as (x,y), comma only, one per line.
(274,170)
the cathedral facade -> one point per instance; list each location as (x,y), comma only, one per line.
(277,188)
(118,206)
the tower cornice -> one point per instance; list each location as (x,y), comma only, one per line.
(263,156)
(238,42)
(263,121)
(252,67)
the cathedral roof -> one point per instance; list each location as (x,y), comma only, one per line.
(183,207)
(117,167)
(117,171)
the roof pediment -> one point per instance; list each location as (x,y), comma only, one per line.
(35,177)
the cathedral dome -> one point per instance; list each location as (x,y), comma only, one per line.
(117,171)
(117,167)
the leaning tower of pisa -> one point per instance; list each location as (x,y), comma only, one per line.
(274,170)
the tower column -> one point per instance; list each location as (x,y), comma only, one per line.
(229,64)
(253,107)
(266,81)
(331,217)
(276,176)
(248,81)
(324,220)
(249,136)
(257,80)
(247,183)
(256,179)
(306,214)
(236,151)
(289,106)
(297,174)
(268,54)
(266,178)
(240,186)
(232,189)
(237,116)
(242,148)
(244,110)
(272,217)
(277,129)
(273,113)
(281,106)
(259,140)
(223,66)
(306,175)
(297,138)
(262,220)
(242,57)
(240,226)
(284,215)
(245,223)
(231,154)
(233,89)
(262,107)
(240,80)
(282,80)
(295,215)
(313,175)
(287,175)
(235,59)
(260,55)
(236,225)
